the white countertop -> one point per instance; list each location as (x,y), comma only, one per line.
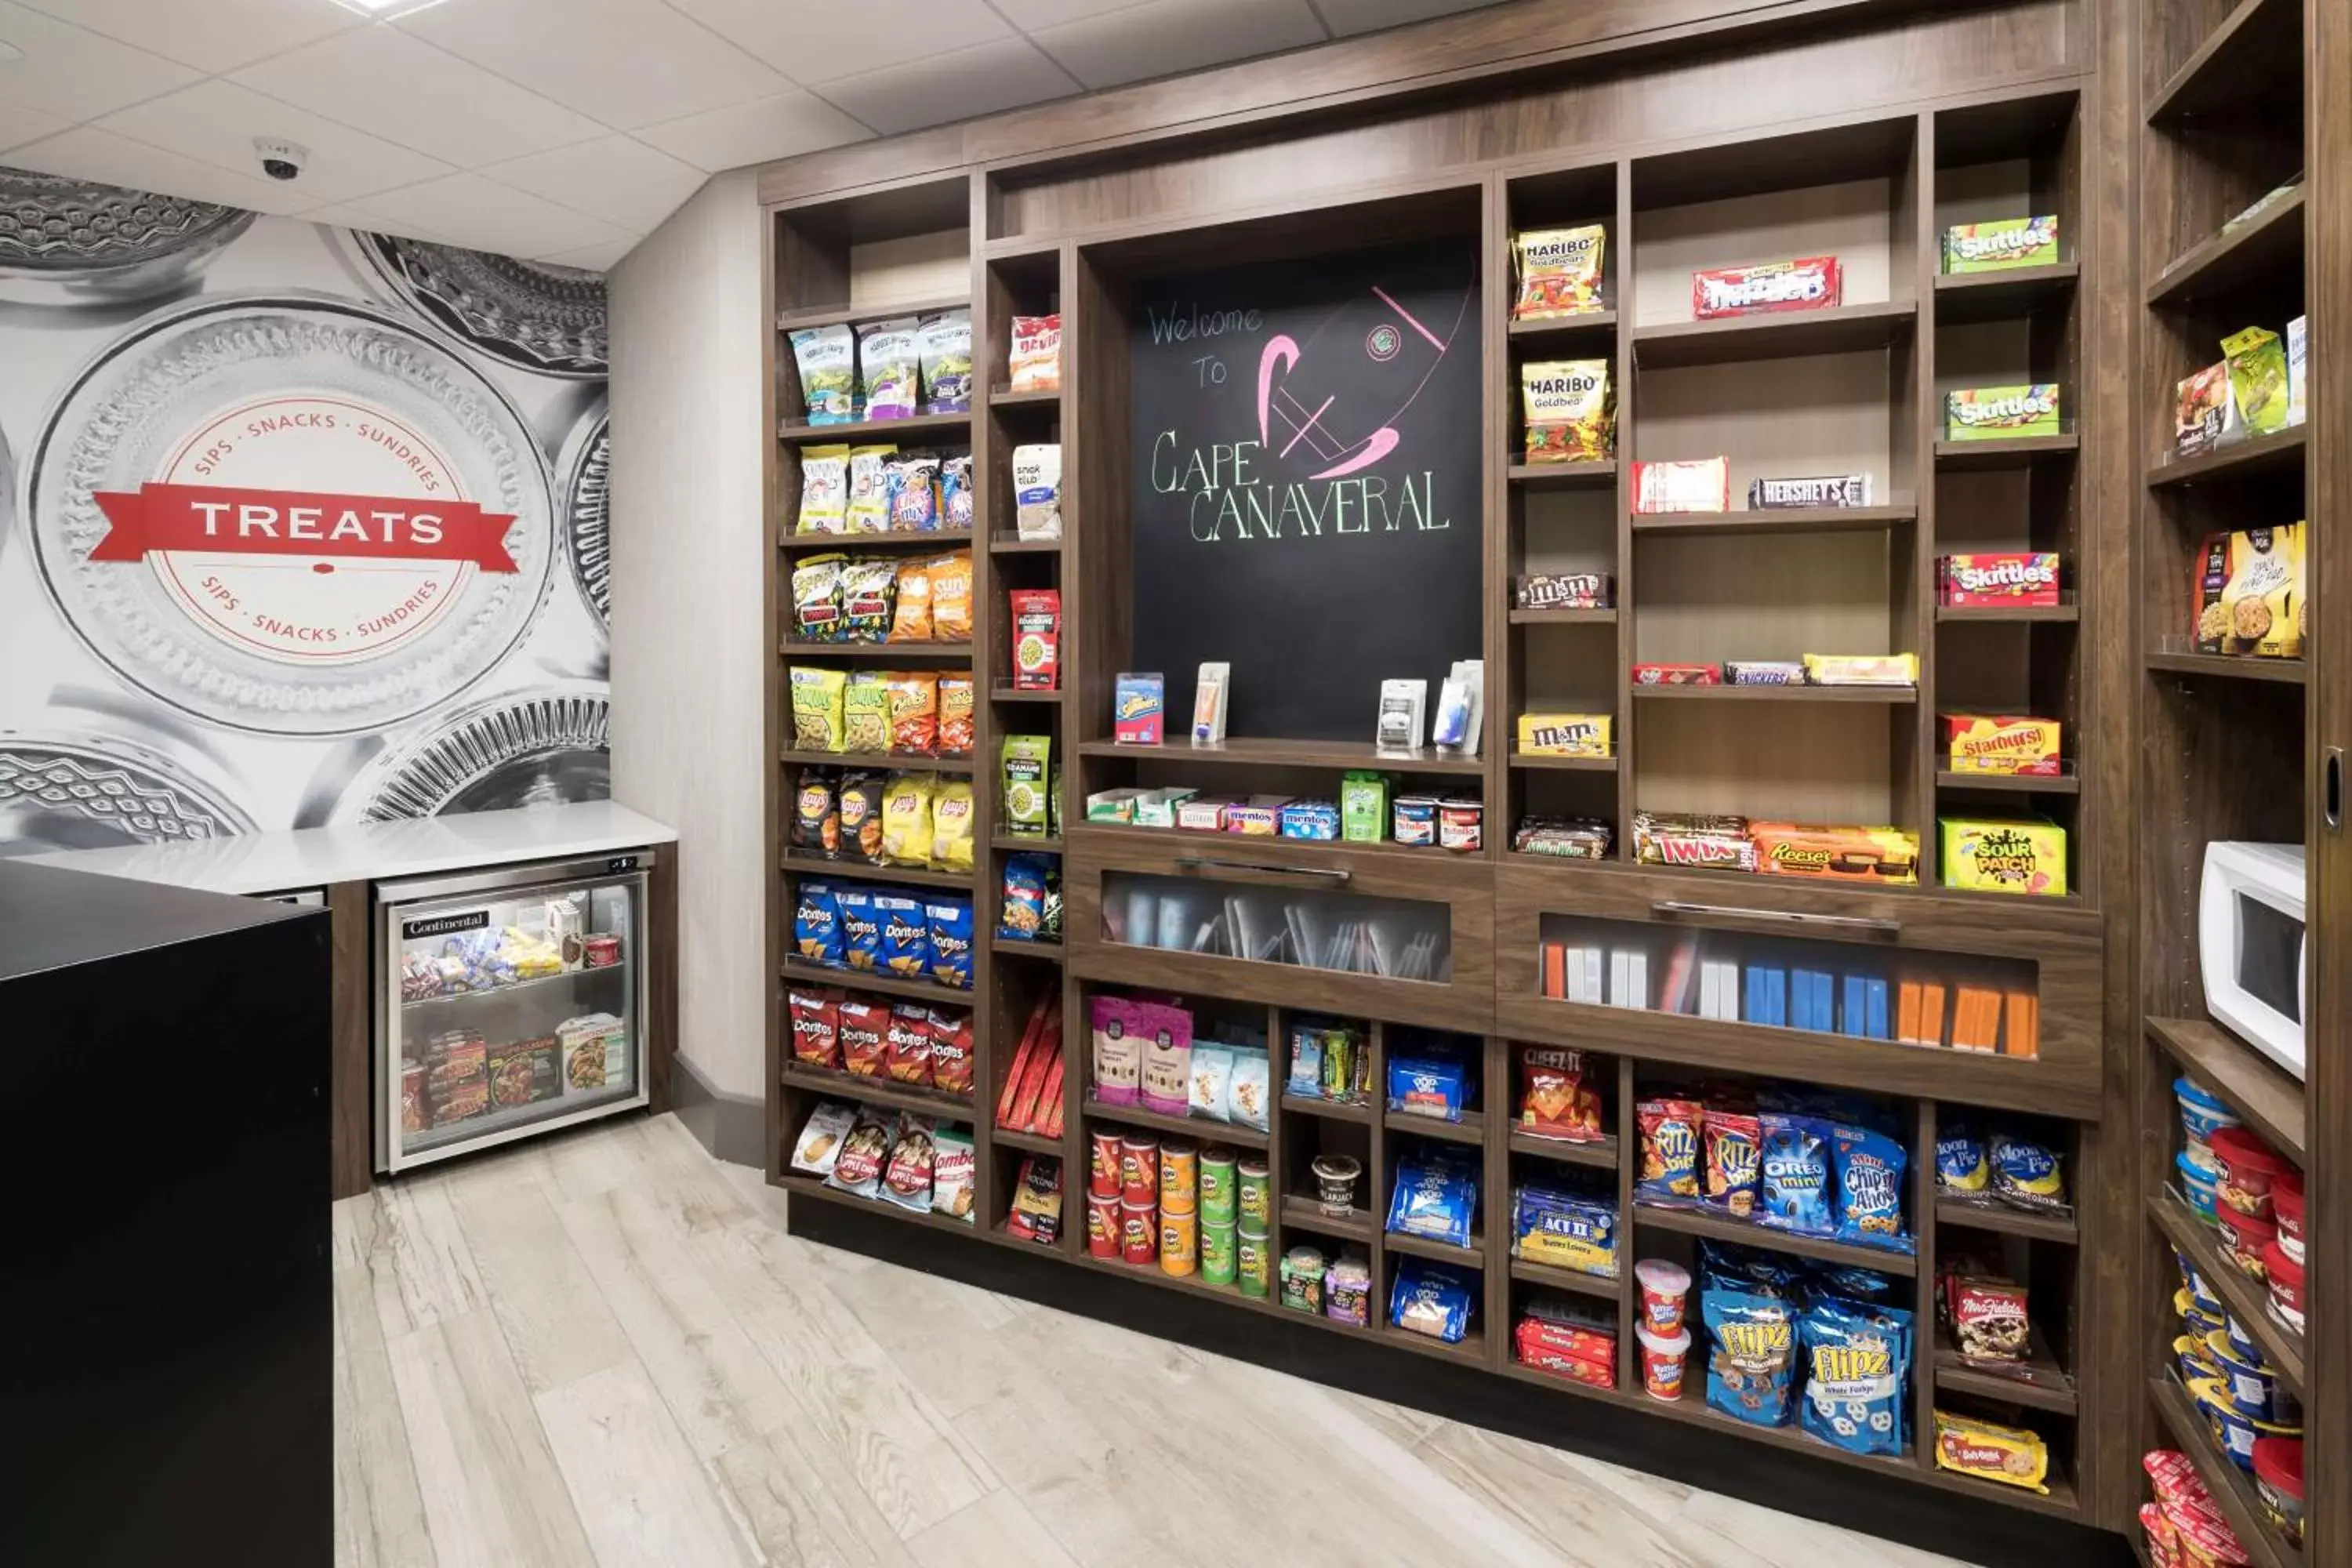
(375,851)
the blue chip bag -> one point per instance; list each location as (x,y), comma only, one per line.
(950,920)
(903,937)
(1856,1364)
(816,926)
(1430,1299)
(861,932)
(1028,884)
(1753,1268)
(1435,1198)
(1960,1168)
(1846,1282)
(1870,1168)
(1425,1086)
(1753,1362)
(2027,1174)
(1796,1174)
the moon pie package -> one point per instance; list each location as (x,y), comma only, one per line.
(1961,1169)
(1856,1363)
(1733,1168)
(2027,1174)
(1670,1150)
(1754,1354)
(816,926)
(1870,1168)
(1794,1174)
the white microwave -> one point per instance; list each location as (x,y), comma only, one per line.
(2249,939)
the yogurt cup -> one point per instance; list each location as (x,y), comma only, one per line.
(2202,1114)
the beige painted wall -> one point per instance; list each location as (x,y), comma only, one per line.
(689,551)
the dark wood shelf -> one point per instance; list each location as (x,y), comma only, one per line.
(2255,456)
(1295,851)
(1697,1222)
(1471,1256)
(2257,48)
(1563,617)
(877,1090)
(1778,519)
(2268,245)
(1592,322)
(874,429)
(1470,1351)
(802,971)
(1884,694)
(899,652)
(1013,544)
(1471,1129)
(2265,1099)
(2004,1220)
(1303,1214)
(1564,1280)
(1023,947)
(1253,751)
(1563,476)
(1200,1127)
(939,538)
(1843,329)
(2019,783)
(2014,452)
(2232,1489)
(807,865)
(1035,1143)
(897,761)
(1005,691)
(1006,397)
(1600,1154)
(1965,297)
(2230,667)
(2039,1380)
(2019,615)
(2247,1298)
(1327,1109)
(800,1184)
(846,314)
(1570,764)
(1019,844)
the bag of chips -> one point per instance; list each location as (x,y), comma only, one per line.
(1732,1164)
(826,358)
(890,366)
(1166,1075)
(1855,1367)
(867,590)
(950,1051)
(1026,877)
(1430,1299)
(816,926)
(1870,1167)
(1794,1174)
(912,483)
(825,490)
(1554,1102)
(868,508)
(1213,1082)
(819,1144)
(955,491)
(951,825)
(911,620)
(957,726)
(1118,1051)
(816,1027)
(951,596)
(865,1031)
(952,1163)
(906,933)
(944,342)
(861,816)
(1037,490)
(1670,1145)
(816,814)
(950,920)
(1036,358)
(858,1168)
(908,1044)
(861,932)
(906,1174)
(907,820)
(816,707)
(866,714)
(816,599)
(1749,1369)
(1036,1211)
(914,713)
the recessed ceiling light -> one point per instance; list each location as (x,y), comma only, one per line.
(385,10)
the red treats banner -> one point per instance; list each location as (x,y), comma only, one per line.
(237,521)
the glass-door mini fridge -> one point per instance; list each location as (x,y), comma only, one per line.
(508,1003)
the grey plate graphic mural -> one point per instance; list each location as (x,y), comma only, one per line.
(65,241)
(295,395)
(529,748)
(64,791)
(534,314)
(587,471)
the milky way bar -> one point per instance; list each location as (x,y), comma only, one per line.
(1814,283)
(1826,489)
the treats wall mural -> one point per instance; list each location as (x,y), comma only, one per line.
(298,525)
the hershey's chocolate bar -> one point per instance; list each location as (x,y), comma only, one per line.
(1823,489)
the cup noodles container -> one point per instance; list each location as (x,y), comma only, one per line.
(1663,1286)
(2284,1275)
(1102,1164)
(2244,1237)
(2002,743)
(1138,1233)
(1812,283)
(1103,1225)
(1662,1361)
(2249,1167)
(1138,1171)
(2286,1211)
(2009,578)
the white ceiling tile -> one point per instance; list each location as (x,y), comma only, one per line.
(217,122)
(615,178)
(1175,36)
(19,125)
(779,127)
(594,257)
(381,81)
(486,215)
(907,94)
(1029,15)
(1349,17)
(346,214)
(818,40)
(86,153)
(74,74)
(625,62)
(211,34)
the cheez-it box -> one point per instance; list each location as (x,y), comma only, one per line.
(1998,743)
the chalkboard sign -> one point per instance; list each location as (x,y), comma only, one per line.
(1307,504)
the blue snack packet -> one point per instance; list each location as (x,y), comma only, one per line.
(1027,879)
(904,938)
(1796,1174)
(1424,1086)
(861,932)
(1435,1198)
(1738,1268)
(1870,1189)
(2026,1174)
(1750,1369)
(1856,1364)
(1847,1282)
(950,920)
(1960,1168)
(1430,1299)
(816,926)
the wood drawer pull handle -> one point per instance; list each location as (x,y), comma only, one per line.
(1209,863)
(1780,917)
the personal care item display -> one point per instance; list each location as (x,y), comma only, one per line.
(2016,579)
(909,1161)
(1461,709)
(1812,283)
(1567,411)
(1031,1098)
(886,931)
(1211,692)
(1401,721)
(2001,413)
(1558,272)
(2001,245)
(2248,592)
(1696,485)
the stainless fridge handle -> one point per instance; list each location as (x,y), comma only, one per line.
(1212,863)
(1779,916)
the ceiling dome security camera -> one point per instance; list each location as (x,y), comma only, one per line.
(280,160)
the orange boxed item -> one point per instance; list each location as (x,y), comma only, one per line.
(1886,856)
(2002,743)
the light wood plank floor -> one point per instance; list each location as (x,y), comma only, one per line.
(603,1350)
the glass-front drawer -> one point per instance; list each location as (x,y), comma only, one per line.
(1350,933)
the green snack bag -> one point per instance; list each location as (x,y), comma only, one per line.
(826,358)
(2258,378)
(1054,804)
(1363,807)
(2001,245)
(1027,765)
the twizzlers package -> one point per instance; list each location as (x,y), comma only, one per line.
(1813,283)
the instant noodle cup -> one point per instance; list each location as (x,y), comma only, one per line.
(1665,1285)
(1180,1175)
(1218,1190)
(2254,1389)
(1102,1165)
(2249,1167)
(1662,1361)
(1139,1232)
(1254,1262)
(2285,1280)
(1138,1171)
(1253,1195)
(2286,1211)
(1102,1225)
(1180,1242)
